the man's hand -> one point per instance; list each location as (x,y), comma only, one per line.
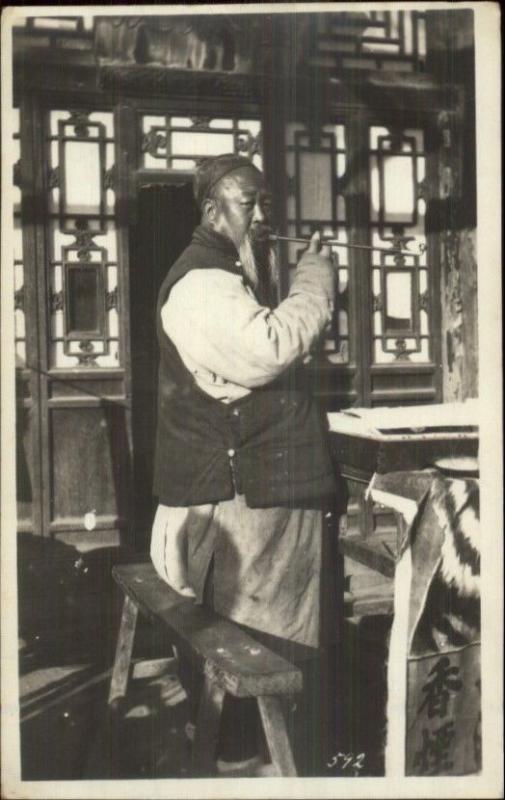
(316,248)
(168,548)
(315,273)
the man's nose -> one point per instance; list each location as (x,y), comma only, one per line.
(259,214)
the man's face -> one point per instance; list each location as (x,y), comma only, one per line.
(243,207)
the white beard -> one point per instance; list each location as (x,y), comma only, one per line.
(248,260)
(250,264)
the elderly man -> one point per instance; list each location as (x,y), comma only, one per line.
(242,469)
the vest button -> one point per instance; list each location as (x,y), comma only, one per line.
(236,412)
(231,453)
(238,263)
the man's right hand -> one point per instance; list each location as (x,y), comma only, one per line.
(316,247)
(315,273)
(168,548)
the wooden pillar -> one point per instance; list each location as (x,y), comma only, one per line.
(275,113)
(125,123)
(450,57)
(360,294)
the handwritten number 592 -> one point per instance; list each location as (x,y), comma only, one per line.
(347,761)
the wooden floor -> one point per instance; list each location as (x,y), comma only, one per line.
(66,732)
(65,668)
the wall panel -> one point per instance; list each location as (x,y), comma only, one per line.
(89,466)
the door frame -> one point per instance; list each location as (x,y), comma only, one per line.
(144,179)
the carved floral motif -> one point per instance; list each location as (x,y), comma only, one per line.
(80,120)
(218,44)
(200,123)
(401,353)
(377,302)
(87,356)
(111,299)
(53,178)
(247,143)
(153,142)
(56,301)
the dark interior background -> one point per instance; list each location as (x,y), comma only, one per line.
(166,218)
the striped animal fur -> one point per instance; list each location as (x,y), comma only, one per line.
(451,616)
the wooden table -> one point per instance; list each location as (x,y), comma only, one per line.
(385,441)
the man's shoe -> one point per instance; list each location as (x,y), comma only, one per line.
(189,731)
(239,769)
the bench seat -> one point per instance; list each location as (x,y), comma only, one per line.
(232,661)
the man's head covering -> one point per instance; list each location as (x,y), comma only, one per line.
(210,171)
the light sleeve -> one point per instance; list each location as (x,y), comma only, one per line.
(215,320)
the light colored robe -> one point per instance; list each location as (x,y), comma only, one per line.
(266,561)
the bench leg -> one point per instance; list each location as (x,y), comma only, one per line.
(124,648)
(276,735)
(207,728)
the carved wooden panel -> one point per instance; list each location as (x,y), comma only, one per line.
(315,165)
(83,276)
(366,40)
(178,143)
(214,42)
(345,178)
(88,464)
(400,284)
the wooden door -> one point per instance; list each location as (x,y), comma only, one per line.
(104,208)
(166,218)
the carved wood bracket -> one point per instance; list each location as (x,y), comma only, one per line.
(183,83)
(211,42)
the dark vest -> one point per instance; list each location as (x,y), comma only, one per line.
(269,446)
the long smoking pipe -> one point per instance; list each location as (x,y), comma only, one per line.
(275,237)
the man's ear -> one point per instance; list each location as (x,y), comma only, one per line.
(209,209)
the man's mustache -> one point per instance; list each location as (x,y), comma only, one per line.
(259,233)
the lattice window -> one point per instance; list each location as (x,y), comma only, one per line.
(371,40)
(315,165)
(401,325)
(83,274)
(397,39)
(178,143)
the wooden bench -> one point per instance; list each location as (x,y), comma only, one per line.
(232,662)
